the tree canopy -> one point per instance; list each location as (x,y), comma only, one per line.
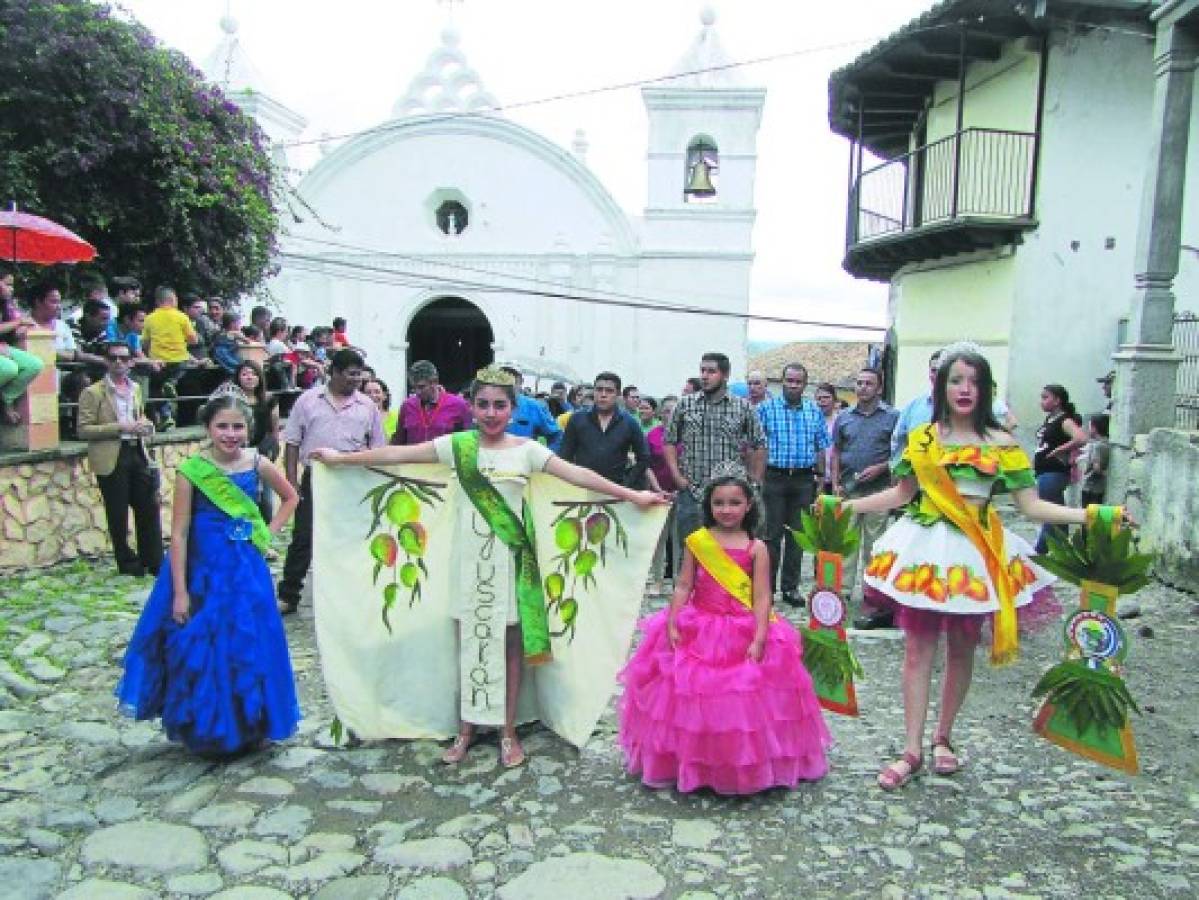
(122,140)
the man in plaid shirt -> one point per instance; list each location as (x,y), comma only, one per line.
(796,438)
(708,427)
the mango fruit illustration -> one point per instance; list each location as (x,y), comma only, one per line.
(402,508)
(555,584)
(924,576)
(957,579)
(384,549)
(937,591)
(409,575)
(568,611)
(414,538)
(906,580)
(977,590)
(585,563)
(567,535)
(598,525)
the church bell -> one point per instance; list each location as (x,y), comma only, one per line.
(700,182)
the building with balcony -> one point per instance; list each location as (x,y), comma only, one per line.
(998,152)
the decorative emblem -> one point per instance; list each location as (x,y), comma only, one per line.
(827,608)
(1096,636)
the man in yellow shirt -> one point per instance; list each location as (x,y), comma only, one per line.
(165,337)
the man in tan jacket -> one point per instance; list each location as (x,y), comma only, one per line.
(113,422)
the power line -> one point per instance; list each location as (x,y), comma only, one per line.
(405,278)
(586,92)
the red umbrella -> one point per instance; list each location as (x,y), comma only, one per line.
(29,238)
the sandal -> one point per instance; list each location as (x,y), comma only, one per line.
(511,753)
(457,751)
(892,779)
(947,763)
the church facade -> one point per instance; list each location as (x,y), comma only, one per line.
(454,234)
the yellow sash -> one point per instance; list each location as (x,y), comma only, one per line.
(717,562)
(924,451)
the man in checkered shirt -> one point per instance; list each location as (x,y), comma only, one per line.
(709,427)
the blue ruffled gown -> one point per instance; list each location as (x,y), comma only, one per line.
(222,682)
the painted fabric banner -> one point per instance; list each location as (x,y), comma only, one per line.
(392,576)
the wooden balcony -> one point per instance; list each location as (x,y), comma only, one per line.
(968,191)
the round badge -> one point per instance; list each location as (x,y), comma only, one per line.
(827,608)
(1095,634)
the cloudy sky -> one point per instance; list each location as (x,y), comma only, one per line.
(343,65)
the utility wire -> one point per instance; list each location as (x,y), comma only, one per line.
(406,278)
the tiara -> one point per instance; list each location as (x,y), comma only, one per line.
(728,469)
(960,347)
(496,376)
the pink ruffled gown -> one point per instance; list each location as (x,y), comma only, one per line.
(705,715)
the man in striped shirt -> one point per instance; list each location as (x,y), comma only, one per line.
(795,440)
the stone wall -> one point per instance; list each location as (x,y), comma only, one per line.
(50,507)
(1163,495)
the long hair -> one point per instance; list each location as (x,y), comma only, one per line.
(1063,397)
(983,417)
(259,398)
(750,523)
(219,404)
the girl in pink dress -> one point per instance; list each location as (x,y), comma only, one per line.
(716,695)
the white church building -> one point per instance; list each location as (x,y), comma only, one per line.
(451,233)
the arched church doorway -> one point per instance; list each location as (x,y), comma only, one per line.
(455,336)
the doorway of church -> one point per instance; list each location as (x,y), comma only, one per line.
(454,335)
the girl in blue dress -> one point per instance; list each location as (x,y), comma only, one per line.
(209,654)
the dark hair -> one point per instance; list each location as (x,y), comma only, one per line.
(162,293)
(193,299)
(345,358)
(722,363)
(296,333)
(653,404)
(555,406)
(127,310)
(219,404)
(1063,397)
(91,307)
(750,522)
(252,331)
(828,387)
(799,367)
(1102,423)
(629,388)
(509,389)
(983,417)
(386,390)
(877,373)
(108,345)
(278,326)
(573,395)
(339,322)
(558,386)
(258,311)
(260,396)
(42,289)
(229,319)
(694,383)
(609,376)
(125,283)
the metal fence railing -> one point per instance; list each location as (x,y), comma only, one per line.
(1186,392)
(978,172)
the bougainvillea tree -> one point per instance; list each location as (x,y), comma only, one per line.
(123,141)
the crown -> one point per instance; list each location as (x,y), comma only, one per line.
(496,376)
(960,347)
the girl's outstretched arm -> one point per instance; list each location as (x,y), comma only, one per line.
(378,456)
(682,590)
(895,496)
(593,481)
(1033,507)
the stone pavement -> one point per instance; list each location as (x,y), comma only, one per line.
(93,805)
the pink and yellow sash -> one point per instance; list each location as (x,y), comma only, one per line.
(717,563)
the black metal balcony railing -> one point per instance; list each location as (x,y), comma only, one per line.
(978,173)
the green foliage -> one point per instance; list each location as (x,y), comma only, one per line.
(1094,554)
(121,140)
(829,660)
(826,531)
(1091,698)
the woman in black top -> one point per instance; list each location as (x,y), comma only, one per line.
(1057,439)
(265,434)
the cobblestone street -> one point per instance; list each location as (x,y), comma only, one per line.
(93,805)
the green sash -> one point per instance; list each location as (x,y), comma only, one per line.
(226,496)
(517,536)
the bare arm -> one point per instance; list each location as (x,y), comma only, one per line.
(1033,507)
(671,455)
(762,600)
(593,481)
(834,467)
(757,464)
(1078,437)
(682,590)
(291,463)
(893,497)
(289,496)
(181,518)
(386,455)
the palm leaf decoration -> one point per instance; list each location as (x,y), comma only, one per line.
(828,659)
(829,529)
(1095,554)
(1091,698)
